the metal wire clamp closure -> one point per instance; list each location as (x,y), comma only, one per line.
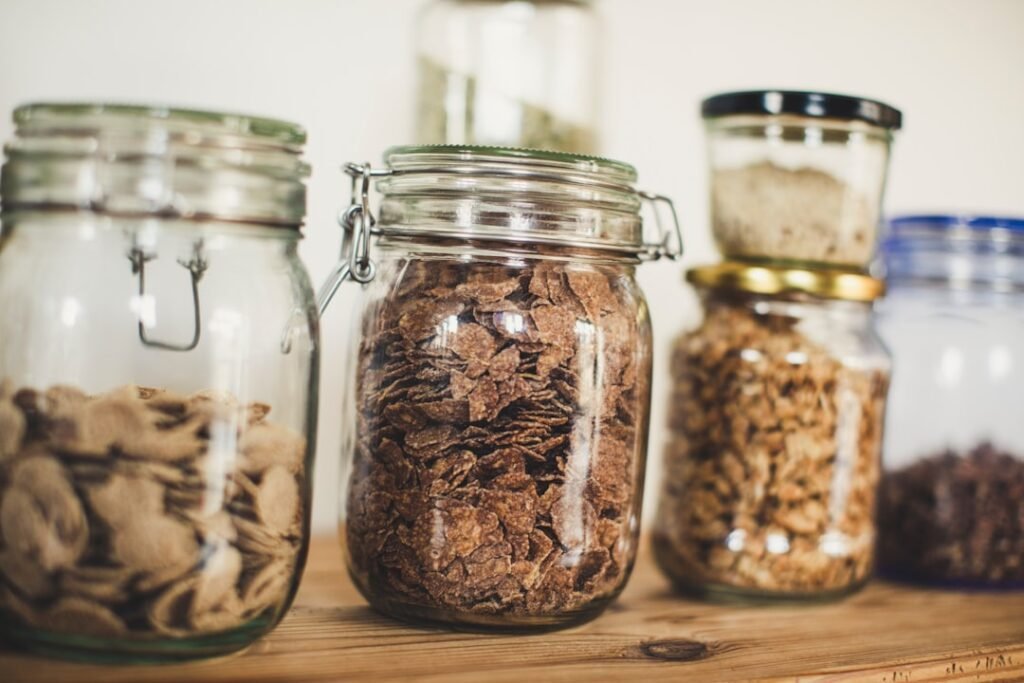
(357,223)
(196,266)
(359,226)
(670,244)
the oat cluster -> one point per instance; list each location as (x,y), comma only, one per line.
(955,516)
(140,512)
(767,211)
(502,419)
(773,460)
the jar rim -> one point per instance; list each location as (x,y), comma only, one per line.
(804,103)
(243,125)
(771,279)
(152,160)
(946,224)
(524,196)
(401,157)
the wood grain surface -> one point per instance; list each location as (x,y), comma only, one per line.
(886,634)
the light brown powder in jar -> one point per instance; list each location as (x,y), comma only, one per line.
(767,211)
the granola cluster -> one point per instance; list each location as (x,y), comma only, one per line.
(502,413)
(773,460)
(955,516)
(142,513)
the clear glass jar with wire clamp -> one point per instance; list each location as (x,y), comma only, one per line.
(158,360)
(498,392)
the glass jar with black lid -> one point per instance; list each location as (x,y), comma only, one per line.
(798,177)
(499,389)
(158,368)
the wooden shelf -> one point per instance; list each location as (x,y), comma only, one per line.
(885,633)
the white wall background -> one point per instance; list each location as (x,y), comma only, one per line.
(344,69)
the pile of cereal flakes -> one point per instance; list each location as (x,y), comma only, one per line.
(502,414)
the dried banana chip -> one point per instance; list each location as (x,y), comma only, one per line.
(41,516)
(26,575)
(255,538)
(267,588)
(257,412)
(215,528)
(213,621)
(266,445)
(123,499)
(79,616)
(152,544)
(277,503)
(95,426)
(22,523)
(163,577)
(168,613)
(167,445)
(11,602)
(12,428)
(106,585)
(61,398)
(216,578)
(163,400)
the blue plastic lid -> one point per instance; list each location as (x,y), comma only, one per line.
(901,224)
(981,249)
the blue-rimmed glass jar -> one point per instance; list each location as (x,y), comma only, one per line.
(158,368)
(952,500)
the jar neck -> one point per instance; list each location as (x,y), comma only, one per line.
(795,306)
(135,161)
(143,231)
(524,226)
(523,199)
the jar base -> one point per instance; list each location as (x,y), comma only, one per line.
(122,651)
(978,585)
(434,617)
(456,620)
(734,595)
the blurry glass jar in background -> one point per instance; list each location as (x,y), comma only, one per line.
(500,389)
(775,419)
(797,176)
(158,362)
(518,73)
(952,502)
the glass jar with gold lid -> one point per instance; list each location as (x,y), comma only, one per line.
(775,427)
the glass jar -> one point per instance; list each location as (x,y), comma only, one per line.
(797,176)
(155,437)
(775,429)
(500,389)
(952,502)
(517,73)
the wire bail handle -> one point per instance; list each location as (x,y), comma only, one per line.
(670,242)
(357,223)
(196,267)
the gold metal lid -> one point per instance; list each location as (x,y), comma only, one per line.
(765,279)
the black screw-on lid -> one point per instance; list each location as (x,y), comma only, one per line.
(802,103)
